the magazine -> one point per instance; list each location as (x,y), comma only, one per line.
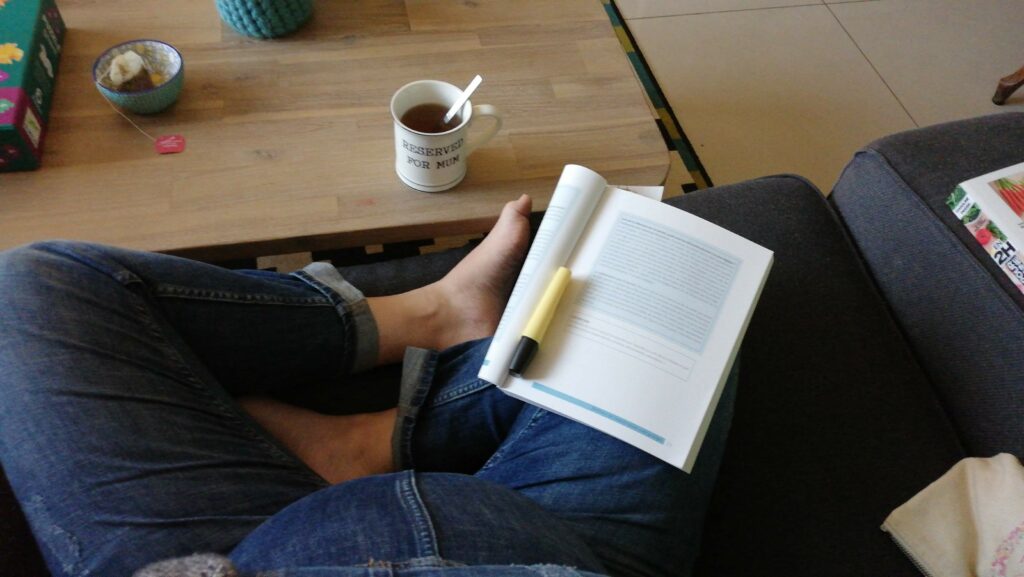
(992,208)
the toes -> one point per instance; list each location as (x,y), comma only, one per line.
(521,205)
(524,205)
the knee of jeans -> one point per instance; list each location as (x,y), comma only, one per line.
(480,522)
(37,277)
(28,268)
(21,266)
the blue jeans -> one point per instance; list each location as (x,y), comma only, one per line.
(122,440)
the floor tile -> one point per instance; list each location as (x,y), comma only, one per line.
(678,176)
(769,91)
(655,8)
(942,58)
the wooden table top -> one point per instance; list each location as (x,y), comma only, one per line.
(290,143)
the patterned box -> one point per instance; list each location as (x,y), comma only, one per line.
(31,35)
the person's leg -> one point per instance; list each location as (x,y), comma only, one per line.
(121,444)
(410,519)
(118,428)
(614,507)
(637,514)
(464,305)
(640,515)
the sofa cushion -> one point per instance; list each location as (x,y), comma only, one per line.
(19,554)
(835,423)
(962,316)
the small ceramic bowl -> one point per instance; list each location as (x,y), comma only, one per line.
(165,66)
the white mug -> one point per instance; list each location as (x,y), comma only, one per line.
(432,162)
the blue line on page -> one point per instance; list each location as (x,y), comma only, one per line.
(599,411)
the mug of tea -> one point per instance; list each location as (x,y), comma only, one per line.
(431,155)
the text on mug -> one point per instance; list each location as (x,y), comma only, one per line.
(431,151)
(426,163)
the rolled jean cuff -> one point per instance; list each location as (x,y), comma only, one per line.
(417,376)
(358,321)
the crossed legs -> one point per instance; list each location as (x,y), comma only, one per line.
(463,306)
(120,430)
(122,437)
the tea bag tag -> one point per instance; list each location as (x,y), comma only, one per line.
(169,144)
(166,144)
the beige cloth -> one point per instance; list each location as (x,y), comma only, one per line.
(969,522)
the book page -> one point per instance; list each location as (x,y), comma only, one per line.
(651,192)
(649,326)
(578,191)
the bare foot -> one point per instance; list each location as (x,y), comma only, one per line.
(477,289)
(464,305)
(338,448)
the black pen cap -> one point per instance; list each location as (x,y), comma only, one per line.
(521,358)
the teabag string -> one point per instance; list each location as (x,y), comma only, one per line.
(166,144)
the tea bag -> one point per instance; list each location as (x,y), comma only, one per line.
(128,73)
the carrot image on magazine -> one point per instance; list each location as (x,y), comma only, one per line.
(1011,190)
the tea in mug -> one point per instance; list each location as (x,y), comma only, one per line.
(429,118)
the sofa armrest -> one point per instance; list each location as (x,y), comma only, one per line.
(835,423)
(961,315)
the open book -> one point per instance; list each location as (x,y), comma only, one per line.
(991,206)
(649,326)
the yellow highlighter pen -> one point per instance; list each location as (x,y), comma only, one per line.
(533,334)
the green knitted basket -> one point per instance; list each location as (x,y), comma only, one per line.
(265,18)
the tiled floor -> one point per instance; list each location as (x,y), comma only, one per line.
(769,86)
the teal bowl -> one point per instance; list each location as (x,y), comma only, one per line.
(163,61)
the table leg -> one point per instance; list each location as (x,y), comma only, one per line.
(1007,86)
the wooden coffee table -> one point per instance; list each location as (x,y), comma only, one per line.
(289,142)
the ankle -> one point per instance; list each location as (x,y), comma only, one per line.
(442,322)
(433,315)
(415,318)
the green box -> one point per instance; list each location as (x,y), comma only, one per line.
(31,36)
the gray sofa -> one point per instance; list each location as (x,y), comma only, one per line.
(886,347)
